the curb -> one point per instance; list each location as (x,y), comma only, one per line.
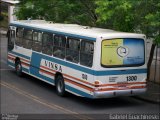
(147,100)
(3,32)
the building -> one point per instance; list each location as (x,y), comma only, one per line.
(11,8)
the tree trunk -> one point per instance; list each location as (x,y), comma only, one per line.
(0,9)
(150,61)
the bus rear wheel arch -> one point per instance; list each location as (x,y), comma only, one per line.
(60,85)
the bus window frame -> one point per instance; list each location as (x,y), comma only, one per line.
(89,41)
(77,39)
(50,34)
(39,42)
(29,40)
(27,30)
(54,52)
(21,37)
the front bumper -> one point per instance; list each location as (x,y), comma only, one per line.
(115,93)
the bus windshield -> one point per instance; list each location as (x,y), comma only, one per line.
(122,52)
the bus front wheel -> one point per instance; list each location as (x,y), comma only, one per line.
(18,68)
(60,86)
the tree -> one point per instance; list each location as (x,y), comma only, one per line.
(115,14)
(150,25)
(64,11)
(141,16)
(1,17)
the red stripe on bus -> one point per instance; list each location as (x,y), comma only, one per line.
(23,63)
(127,88)
(25,60)
(67,80)
(79,85)
(26,64)
(79,80)
(87,87)
(65,75)
(46,72)
(48,69)
(10,58)
(20,58)
(136,87)
(102,85)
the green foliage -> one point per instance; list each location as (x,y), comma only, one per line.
(4,20)
(142,16)
(1,18)
(149,19)
(64,11)
(115,14)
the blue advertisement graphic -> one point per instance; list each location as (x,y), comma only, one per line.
(135,49)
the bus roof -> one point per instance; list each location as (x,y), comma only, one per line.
(73,29)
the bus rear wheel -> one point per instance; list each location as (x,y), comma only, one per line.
(60,86)
(18,68)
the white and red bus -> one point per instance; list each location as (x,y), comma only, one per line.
(86,61)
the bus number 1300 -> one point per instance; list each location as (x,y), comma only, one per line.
(131,78)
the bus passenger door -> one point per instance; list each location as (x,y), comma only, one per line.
(11,39)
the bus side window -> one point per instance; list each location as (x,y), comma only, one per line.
(72,50)
(37,41)
(27,41)
(19,36)
(59,46)
(86,53)
(47,46)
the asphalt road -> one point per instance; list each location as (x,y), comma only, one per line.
(29,96)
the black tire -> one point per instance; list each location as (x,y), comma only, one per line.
(60,86)
(18,68)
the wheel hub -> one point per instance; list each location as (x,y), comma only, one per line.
(60,86)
